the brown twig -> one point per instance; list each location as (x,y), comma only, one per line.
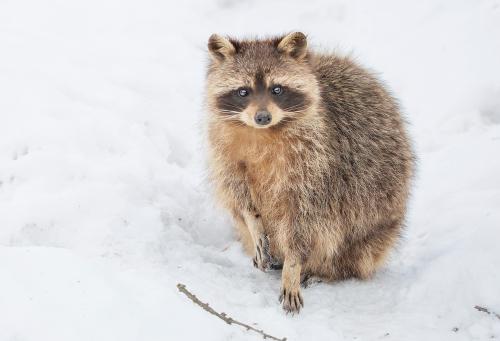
(487,311)
(223,316)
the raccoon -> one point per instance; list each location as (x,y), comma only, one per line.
(308,152)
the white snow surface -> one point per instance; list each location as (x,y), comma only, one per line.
(104,205)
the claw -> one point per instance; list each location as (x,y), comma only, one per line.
(262,259)
(292,301)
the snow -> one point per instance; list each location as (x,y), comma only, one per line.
(104,206)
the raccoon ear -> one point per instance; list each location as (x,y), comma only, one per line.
(220,48)
(294,45)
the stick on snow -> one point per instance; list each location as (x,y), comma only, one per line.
(487,311)
(223,316)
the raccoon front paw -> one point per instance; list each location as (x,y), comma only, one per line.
(292,300)
(262,259)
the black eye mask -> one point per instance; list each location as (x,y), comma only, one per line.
(287,99)
(231,102)
(290,99)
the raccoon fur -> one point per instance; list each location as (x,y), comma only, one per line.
(309,153)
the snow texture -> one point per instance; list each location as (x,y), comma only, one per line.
(104,206)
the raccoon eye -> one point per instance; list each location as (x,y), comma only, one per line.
(243,92)
(277,90)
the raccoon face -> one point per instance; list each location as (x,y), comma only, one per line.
(260,83)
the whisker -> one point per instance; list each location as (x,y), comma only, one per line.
(295,112)
(231,105)
(229,111)
(296,105)
(234,119)
(229,118)
(295,108)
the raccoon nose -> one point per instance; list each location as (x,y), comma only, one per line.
(263,117)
